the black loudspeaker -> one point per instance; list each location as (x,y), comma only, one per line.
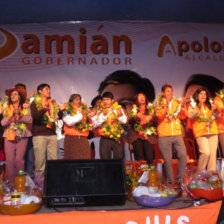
(84,183)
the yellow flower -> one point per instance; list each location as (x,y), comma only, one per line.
(51,119)
(22,126)
(38,98)
(5,105)
(111,136)
(25,111)
(118,135)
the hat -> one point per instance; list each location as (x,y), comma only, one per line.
(20,89)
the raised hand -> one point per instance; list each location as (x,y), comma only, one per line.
(119,112)
(32,93)
(62,106)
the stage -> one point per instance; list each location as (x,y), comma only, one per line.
(182,210)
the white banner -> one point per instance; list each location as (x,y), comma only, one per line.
(75,57)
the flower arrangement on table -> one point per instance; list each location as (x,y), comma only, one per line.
(205,179)
(135,172)
(20,199)
(205,184)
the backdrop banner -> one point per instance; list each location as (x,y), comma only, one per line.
(75,57)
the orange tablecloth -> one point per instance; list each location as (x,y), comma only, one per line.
(203,214)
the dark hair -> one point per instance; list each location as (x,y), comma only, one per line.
(166,86)
(73,96)
(21,101)
(21,84)
(136,98)
(94,100)
(108,95)
(146,101)
(209,82)
(195,97)
(42,86)
(129,77)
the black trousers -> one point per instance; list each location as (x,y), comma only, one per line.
(107,146)
(143,150)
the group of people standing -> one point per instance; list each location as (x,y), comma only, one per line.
(142,125)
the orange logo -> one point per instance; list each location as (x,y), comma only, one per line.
(204,45)
(163,43)
(9,45)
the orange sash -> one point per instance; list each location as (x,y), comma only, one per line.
(77,108)
(111,119)
(11,133)
(50,105)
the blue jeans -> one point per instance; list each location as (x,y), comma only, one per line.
(29,156)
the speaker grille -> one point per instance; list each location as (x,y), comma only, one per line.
(83,182)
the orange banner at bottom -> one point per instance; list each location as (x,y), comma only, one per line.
(202,214)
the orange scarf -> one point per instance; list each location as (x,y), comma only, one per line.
(48,114)
(111,119)
(11,133)
(77,108)
(80,110)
